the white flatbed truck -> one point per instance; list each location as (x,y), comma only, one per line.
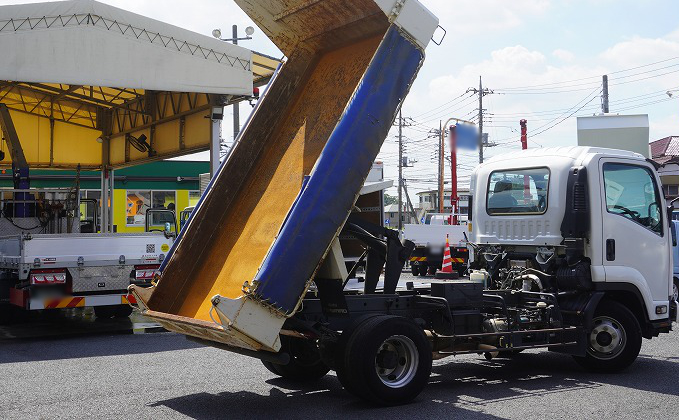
(430,240)
(75,270)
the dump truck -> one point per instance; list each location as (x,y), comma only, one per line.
(582,267)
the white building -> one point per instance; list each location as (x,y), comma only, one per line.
(429,201)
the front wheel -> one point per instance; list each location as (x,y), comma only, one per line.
(614,341)
(387,360)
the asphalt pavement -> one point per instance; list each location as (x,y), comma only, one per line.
(163,375)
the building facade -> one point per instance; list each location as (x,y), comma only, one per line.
(665,152)
(172,185)
(428,201)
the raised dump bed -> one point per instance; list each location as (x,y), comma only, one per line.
(269,217)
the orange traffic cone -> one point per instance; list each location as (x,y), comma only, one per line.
(447,266)
(446,272)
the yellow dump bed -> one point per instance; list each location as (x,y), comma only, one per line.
(277,203)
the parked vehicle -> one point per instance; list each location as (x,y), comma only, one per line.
(53,271)
(430,240)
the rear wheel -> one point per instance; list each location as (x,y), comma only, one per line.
(614,341)
(6,313)
(305,361)
(387,360)
(675,289)
(123,311)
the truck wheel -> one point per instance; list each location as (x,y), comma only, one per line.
(105,312)
(123,311)
(675,289)
(6,313)
(615,340)
(387,360)
(305,361)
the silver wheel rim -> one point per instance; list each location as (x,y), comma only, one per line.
(396,361)
(607,339)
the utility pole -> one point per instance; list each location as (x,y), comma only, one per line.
(217,33)
(400,172)
(236,107)
(604,98)
(480,121)
(410,204)
(481,92)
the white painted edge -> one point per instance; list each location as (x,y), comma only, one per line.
(250,318)
(412,17)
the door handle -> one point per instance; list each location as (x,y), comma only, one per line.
(610,249)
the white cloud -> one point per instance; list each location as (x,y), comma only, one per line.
(563,55)
(470,17)
(638,50)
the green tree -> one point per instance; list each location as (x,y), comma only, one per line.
(389,199)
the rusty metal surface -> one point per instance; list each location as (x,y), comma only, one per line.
(251,196)
(293,24)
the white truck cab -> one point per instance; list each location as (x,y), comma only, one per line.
(591,219)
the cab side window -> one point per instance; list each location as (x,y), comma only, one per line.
(632,193)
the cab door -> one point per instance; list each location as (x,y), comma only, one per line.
(634,227)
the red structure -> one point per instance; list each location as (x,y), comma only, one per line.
(524,146)
(453,170)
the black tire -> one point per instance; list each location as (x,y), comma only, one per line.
(305,361)
(675,289)
(105,312)
(508,354)
(387,360)
(615,340)
(340,350)
(6,314)
(123,311)
(271,367)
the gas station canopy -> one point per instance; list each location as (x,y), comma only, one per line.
(93,85)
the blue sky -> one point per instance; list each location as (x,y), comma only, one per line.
(517,43)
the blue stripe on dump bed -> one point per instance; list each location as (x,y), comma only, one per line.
(323,206)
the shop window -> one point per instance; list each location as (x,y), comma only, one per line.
(163,200)
(137,204)
(140,201)
(194,196)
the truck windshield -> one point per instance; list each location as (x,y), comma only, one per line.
(520,191)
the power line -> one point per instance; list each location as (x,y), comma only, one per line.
(587,78)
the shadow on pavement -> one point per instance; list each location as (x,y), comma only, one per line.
(90,346)
(71,323)
(461,388)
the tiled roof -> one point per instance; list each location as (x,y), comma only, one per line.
(658,147)
(672,147)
